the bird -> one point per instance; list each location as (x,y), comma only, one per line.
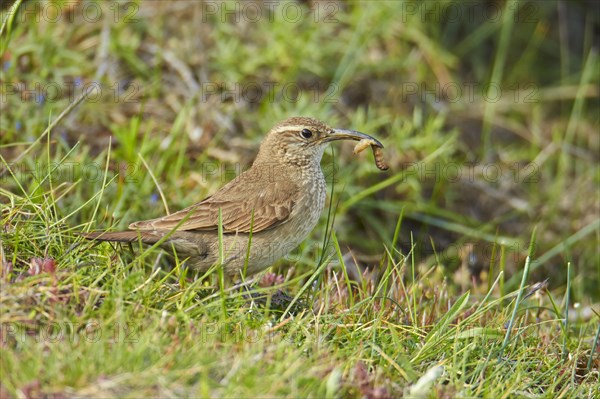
(262,214)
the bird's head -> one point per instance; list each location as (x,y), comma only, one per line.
(301,141)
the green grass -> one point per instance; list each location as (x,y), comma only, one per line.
(416,283)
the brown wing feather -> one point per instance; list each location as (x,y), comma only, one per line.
(272,203)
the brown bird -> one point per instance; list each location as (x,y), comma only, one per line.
(273,205)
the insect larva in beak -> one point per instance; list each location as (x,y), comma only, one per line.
(362,145)
(379,162)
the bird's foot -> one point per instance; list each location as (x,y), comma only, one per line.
(277,301)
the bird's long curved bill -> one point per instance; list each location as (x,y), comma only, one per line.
(343,134)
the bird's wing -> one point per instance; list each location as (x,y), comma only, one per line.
(246,204)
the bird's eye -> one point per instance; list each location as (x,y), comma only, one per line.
(306,133)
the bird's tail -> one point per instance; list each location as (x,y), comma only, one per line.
(122,236)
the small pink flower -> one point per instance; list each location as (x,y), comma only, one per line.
(39,266)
